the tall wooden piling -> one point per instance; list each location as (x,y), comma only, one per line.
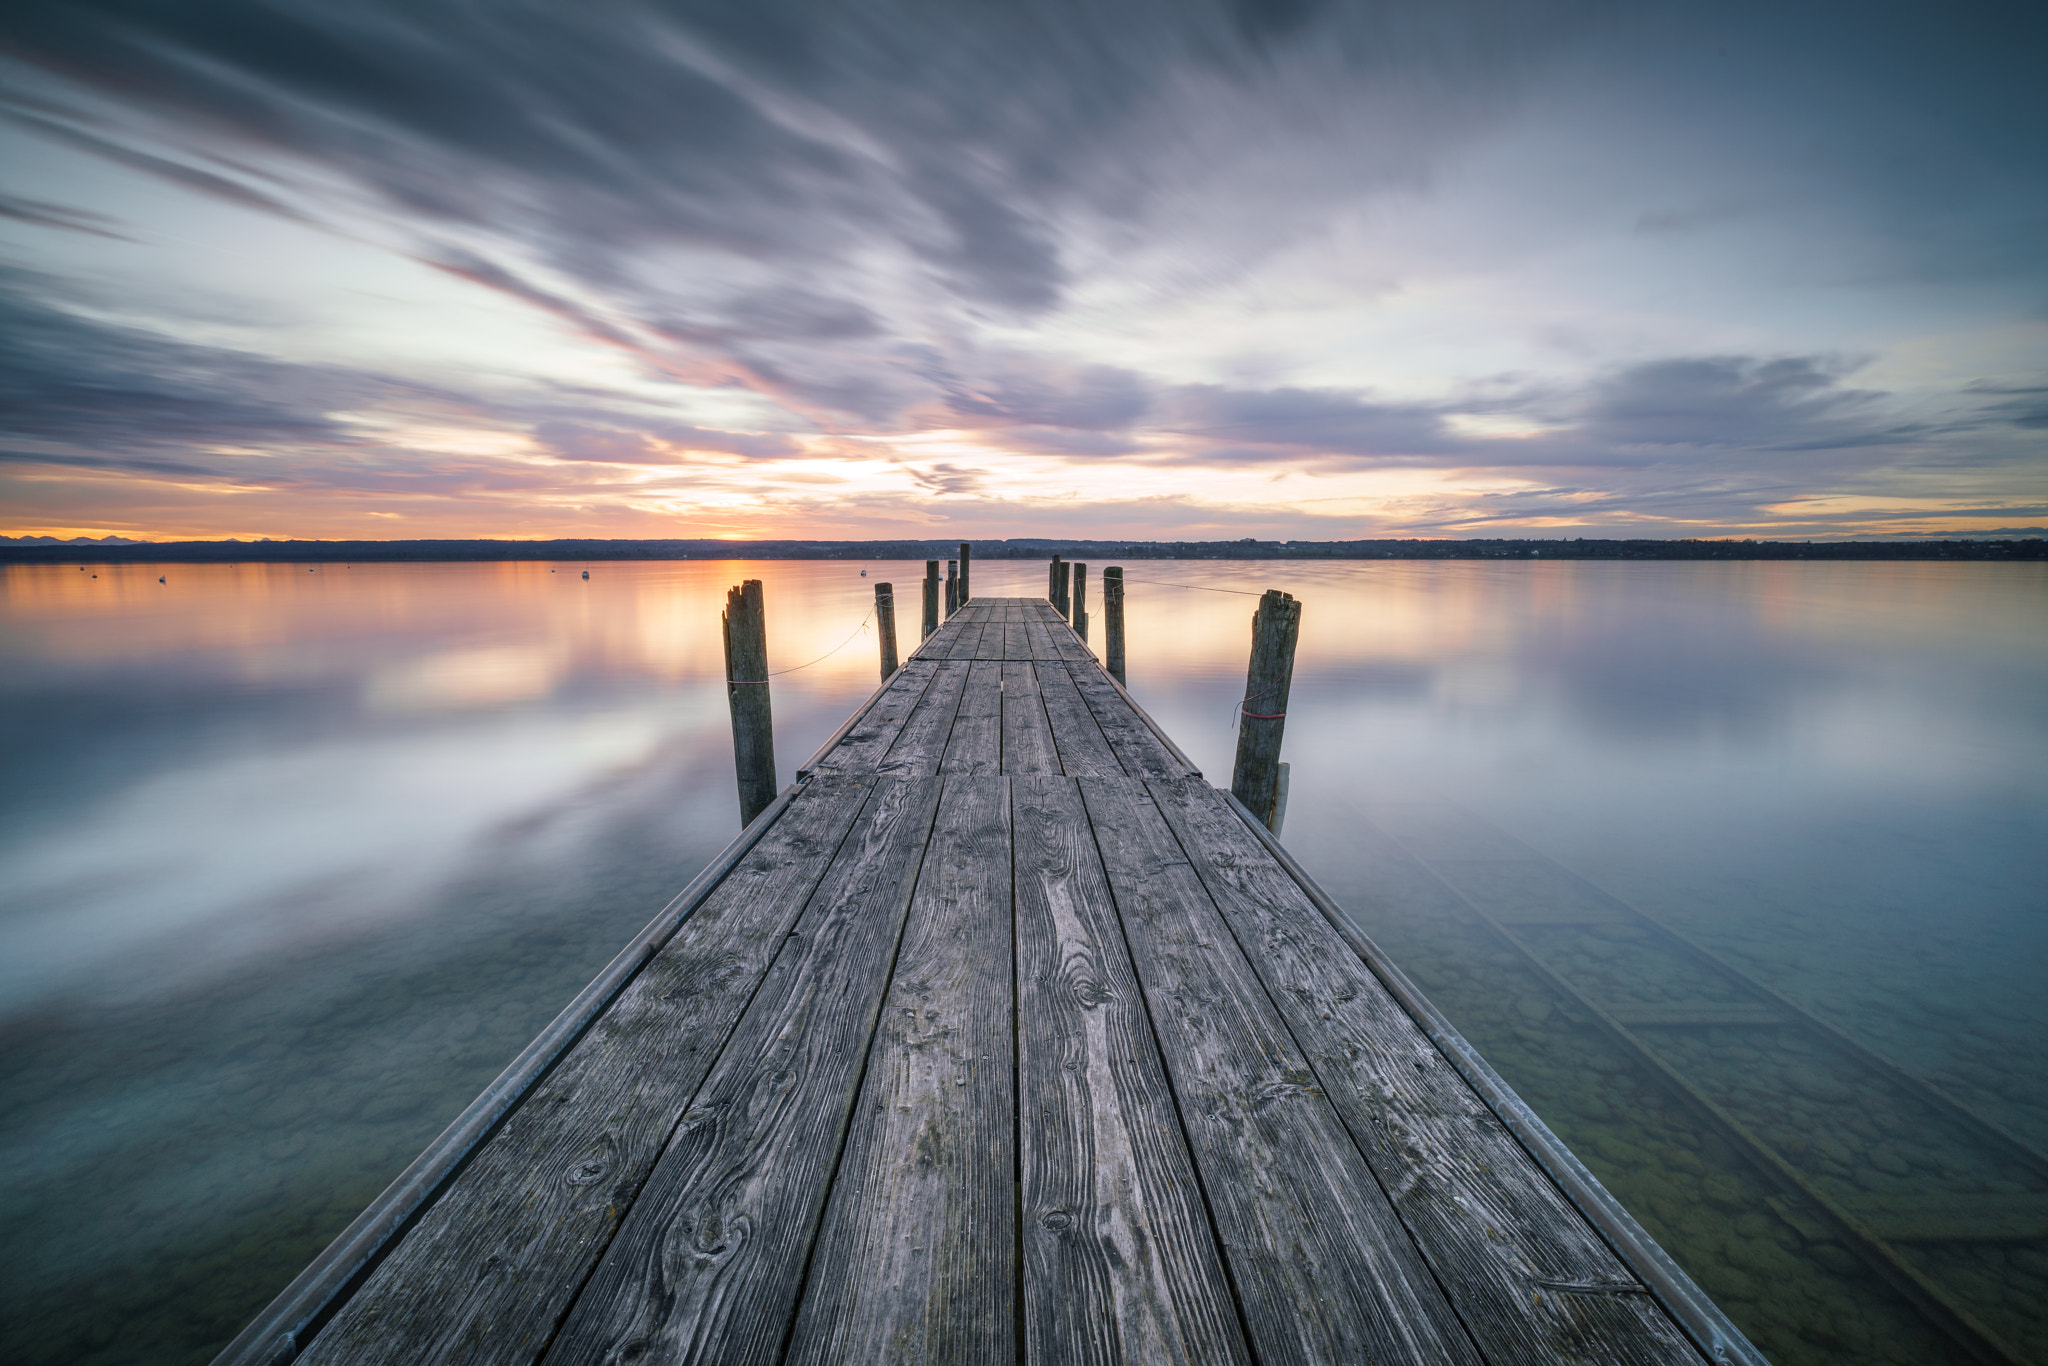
(885,626)
(1052,581)
(1081,601)
(1113,621)
(966,560)
(1262,714)
(1063,595)
(931,600)
(952,587)
(746,671)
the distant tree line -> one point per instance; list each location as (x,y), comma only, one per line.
(1028,548)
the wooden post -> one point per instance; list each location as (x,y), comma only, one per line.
(1063,595)
(1052,581)
(1113,621)
(952,587)
(746,691)
(885,621)
(1081,601)
(1262,715)
(966,560)
(931,599)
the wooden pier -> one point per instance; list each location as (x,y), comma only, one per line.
(1001,1036)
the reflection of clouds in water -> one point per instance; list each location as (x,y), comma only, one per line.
(1682,680)
(454,679)
(192,870)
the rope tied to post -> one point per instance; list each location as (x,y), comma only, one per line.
(1244,702)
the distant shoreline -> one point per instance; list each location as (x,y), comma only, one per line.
(1035,548)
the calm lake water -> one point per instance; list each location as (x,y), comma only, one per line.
(293,862)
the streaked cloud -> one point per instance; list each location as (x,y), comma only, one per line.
(795,268)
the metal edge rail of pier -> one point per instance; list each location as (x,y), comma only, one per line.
(1000,1036)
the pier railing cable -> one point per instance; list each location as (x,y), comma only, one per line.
(820,659)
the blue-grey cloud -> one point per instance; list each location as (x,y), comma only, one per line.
(655,443)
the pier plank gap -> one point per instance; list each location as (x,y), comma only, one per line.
(1003,1036)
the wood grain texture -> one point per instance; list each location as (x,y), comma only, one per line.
(1139,751)
(1083,751)
(1494,1228)
(935,645)
(976,744)
(863,746)
(1016,640)
(921,744)
(491,1267)
(1027,734)
(1067,640)
(1323,1267)
(1120,1262)
(967,644)
(1039,634)
(917,1258)
(708,1264)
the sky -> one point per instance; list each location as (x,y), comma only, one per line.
(1286,269)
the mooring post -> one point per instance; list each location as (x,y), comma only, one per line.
(966,559)
(746,690)
(1262,715)
(1063,594)
(952,587)
(1052,581)
(1113,621)
(1081,601)
(931,599)
(885,624)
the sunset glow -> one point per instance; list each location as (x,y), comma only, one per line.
(1293,271)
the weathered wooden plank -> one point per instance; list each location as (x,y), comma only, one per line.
(1141,753)
(1070,645)
(976,744)
(936,645)
(1120,1262)
(1082,750)
(1027,734)
(917,1257)
(490,1268)
(967,644)
(708,1263)
(1323,1267)
(1504,1242)
(864,745)
(921,744)
(1039,634)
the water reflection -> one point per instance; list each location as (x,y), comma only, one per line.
(291,863)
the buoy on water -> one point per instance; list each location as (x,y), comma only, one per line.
(586,573)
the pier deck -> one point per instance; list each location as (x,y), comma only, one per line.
(1002,1036)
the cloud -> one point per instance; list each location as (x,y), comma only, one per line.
(657,444)
(44,215)
(1782,403)
(67,377)
(1333,422)
(699,170)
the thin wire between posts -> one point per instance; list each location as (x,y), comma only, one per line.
(820,659)
(1197,587)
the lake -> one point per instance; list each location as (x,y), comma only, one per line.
(1720,865)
